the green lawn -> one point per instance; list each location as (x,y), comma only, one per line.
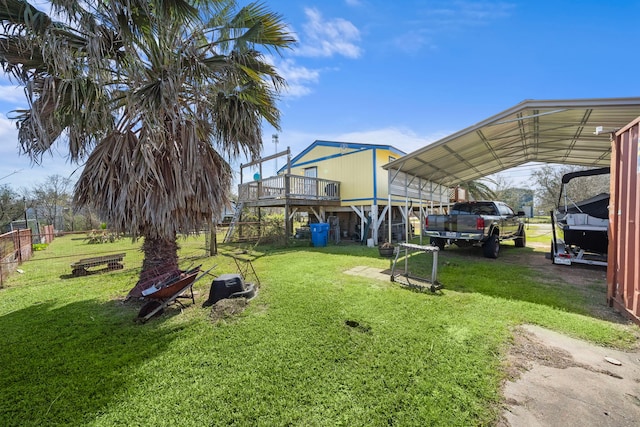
(316,347)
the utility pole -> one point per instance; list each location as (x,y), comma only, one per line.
(274,139)
(26,221)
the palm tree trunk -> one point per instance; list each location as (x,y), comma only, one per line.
(160,255)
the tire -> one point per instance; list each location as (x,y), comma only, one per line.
(148,307)
(521,240)
(248,293)
(491,247)
(437,242)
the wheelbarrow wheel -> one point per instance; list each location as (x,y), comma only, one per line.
(149,307)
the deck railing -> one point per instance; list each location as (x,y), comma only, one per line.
(289,186)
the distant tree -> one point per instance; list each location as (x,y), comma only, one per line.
(518,198)
(51,198)
(502,189)
(515,197)
(154,95)
(548,183)
(83,218)
(11,207)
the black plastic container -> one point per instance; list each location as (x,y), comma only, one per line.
(223,287)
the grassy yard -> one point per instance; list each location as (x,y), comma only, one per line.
(316,347)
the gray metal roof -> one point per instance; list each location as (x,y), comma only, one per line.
(551,131)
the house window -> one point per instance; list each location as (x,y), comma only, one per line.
(310,185)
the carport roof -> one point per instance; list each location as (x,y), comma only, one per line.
(551,131)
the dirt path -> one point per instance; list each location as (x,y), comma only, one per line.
(589,282)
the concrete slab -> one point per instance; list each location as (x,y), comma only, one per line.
(570,382)
(370,272)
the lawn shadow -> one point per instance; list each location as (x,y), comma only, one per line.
(521,274)
(65,364)
(345,247)
(89,273)
(525,274)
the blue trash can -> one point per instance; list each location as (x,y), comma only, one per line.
(319,234)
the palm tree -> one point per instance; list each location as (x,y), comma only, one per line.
(153,95)
(479,190)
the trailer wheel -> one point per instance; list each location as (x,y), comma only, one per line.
(521,240)
(491,247)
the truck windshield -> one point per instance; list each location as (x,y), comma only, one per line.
(476,208)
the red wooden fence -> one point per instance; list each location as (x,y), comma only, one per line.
(15,248)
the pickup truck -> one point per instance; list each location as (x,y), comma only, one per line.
(484,223)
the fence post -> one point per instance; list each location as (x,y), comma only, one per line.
(18,238)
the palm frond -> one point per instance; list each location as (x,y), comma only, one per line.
(479,190)
(153,94)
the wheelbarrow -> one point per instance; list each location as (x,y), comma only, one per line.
(168,291)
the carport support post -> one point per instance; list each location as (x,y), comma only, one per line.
(406,207)
(390,180)
(374,222)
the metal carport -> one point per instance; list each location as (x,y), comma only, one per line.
(551,131)
(573,131)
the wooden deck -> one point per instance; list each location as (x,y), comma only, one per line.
(290,190)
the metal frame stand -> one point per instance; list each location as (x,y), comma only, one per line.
(246,270)
(423,282)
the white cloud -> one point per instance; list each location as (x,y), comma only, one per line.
(321,38)
(17,170)
(400,138)
(326,38)
(460,15)
(12,94)
(428,25)
(413,42)
(8,137)
(298,78)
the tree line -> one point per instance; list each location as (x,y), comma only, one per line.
(48,203)
(543,190)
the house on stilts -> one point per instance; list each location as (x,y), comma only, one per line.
(343,184)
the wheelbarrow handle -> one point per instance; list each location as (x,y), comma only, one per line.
(205,273)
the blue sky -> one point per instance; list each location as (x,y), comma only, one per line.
(407,73)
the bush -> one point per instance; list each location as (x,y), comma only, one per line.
(268,230)
(102,236)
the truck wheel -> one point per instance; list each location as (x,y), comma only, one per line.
(437,242)
(521,240)
(491,247)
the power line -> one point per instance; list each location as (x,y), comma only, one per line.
(12,173)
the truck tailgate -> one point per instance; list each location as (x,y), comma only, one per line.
(454,223)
